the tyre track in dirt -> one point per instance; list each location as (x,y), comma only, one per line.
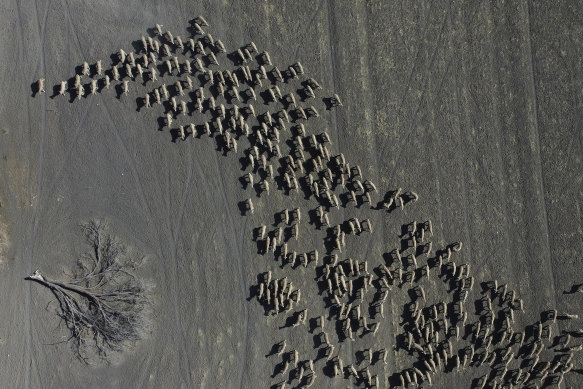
(166,254)
(172,227)
(553,263)
(29,250)
(415,66)
(468,103)
(185,191)
(67,10)
(141,194)
(68,153)
(131,164)
(27,354)
(412,123)
(476,143)
(333,58)
(174,281)
(423,88)
(375,242)
(240,259)
(176,230)
(379,218)
(238,29)
(134,172)
(6,85)
(302,36)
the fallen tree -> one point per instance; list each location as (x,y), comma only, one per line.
(105,305)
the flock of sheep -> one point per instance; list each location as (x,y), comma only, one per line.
(264,113)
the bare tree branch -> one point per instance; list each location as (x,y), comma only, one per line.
(105,305)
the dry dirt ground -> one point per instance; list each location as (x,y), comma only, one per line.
(476,106)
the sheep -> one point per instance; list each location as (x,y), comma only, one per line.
(150,43)
(179,88)
(202,21)
(265,184)
(176,64)
(80,91)
(167,51)
(220,46)
(457,246)
(311,379)
(63,88)
(258,80)
(277,73)
(156,49)
(219,125)
(241,56)
(246,73)
(168,66)
(281,347)
(297,214)
(367,225)
(131,59)
(40,85)
(153,58)
(157,96)
(235,93)
(199,65)
(266,58)
(249,205)
(153,73)
(192,45)
(129,71)
(179,42)
(261,291)
(144,43)
(85,69)
(213,58)
(567,316)
(313,111)
(298,67)
(164,91)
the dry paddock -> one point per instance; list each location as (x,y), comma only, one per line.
(475,106)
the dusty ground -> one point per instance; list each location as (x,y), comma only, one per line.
(476,107)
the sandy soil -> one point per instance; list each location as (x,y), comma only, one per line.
(473,106)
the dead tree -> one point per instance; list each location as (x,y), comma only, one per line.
(105,305)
